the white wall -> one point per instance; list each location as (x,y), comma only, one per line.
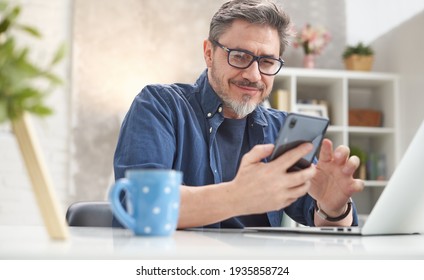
(366,20)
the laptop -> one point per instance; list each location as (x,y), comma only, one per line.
(400,207)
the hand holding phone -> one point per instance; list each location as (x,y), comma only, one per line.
(298,129)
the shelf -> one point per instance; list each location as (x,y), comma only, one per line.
(370,130)
(341,91)
(375,183)
(358,130)
(335,128)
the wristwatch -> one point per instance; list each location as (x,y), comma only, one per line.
(324,215)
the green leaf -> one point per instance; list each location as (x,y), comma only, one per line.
(15,13)
(359,49)
(53,78)
(59,55)
(3,5)
(4,25)
(27,93)
(30,30)
(40,110)
(19,74)
(3,111)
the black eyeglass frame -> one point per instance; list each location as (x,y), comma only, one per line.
(254,58)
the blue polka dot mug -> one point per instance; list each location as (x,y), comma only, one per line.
(152,201)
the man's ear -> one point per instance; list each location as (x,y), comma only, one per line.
(207,52)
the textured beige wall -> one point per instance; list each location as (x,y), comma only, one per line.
(120,46)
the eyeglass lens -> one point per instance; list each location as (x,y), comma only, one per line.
(240,59)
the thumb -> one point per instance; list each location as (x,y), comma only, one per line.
(257,153)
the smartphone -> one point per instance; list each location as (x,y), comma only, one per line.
(298,129)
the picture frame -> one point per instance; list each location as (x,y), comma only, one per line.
(317,110)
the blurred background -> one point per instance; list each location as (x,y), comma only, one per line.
(115,48)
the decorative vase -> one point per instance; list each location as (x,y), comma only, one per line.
(309,61)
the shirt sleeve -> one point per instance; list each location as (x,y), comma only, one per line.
(147,135)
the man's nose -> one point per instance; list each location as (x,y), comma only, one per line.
(252,72)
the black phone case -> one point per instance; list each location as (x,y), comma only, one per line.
(298,129)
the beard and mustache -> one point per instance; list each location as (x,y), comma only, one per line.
(243,107)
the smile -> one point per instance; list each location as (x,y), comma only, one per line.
(251,89)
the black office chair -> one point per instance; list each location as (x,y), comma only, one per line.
(90,214)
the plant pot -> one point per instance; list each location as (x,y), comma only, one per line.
(359,62)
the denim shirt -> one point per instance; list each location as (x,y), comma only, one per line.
(174,127)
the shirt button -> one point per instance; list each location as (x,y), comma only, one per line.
(210,130)
(209,115)
(220,109)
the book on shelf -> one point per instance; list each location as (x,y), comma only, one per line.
(313,102)
(281,100)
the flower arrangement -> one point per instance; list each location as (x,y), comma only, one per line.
(312,39)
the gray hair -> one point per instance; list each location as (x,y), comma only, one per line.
(264,12)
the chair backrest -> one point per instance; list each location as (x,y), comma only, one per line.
(90,214)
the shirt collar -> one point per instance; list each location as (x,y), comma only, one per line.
(209,100)
(211,103)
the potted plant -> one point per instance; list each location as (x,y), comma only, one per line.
(359,57)
(23,88)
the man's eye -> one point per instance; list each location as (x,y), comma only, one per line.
(268,62)
(240,56)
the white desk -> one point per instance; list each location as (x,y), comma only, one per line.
(31,242)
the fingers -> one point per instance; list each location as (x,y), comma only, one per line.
(351,165)
(358,186)
(285,161)
(278,188)
(341,154)
(301,177)
(257,153)
(292,194)
(326,152)
(292,156)
(290,187)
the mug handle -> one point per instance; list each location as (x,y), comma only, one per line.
(116,205)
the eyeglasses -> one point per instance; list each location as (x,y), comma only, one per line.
(242,59)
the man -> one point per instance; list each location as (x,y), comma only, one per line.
(218,135)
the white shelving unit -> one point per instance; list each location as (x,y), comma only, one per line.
(344,90)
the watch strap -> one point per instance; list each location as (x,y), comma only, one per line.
(325,216)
